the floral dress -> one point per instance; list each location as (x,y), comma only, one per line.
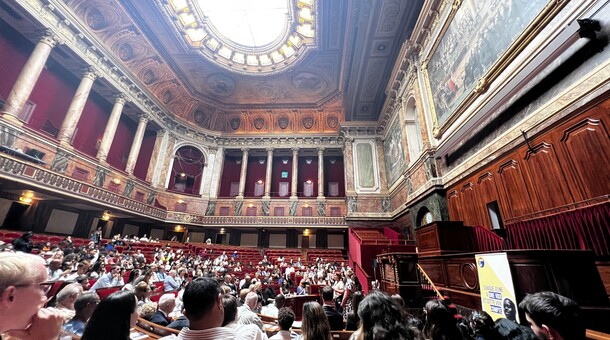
(349,286)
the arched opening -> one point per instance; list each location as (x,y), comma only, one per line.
(186,171)
(424,216)
(414,138)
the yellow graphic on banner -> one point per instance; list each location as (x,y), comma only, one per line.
(496,285)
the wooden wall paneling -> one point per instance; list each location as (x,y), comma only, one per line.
(513,190)
(486,188)
(455,207)
(470,205)
(585,145)
(545,177)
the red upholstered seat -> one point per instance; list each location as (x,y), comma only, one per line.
(103,292)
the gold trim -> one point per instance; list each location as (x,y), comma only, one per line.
(529,33)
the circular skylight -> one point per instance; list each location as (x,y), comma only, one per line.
(251,23)
(246,36)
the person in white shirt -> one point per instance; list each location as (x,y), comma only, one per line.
(243,331)
(245,313)
(112,279)
(285,319)
(273,309)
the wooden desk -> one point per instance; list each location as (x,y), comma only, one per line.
(296,303)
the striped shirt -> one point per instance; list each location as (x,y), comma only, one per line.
(216,333)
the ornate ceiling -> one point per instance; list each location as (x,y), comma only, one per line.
(341,76)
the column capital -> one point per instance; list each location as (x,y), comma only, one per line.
(270,149)
(120,98)
(321,149)
(90,73)
(161,132)
(245,150)
(295,150)
(47,37)
(143,118)
(212,150)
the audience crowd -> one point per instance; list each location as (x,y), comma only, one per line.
(215,296)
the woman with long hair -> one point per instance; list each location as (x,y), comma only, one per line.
(315,323)
(381,319)
(440,322)
(353,320)
(348,291)
(133,275)
(112,318)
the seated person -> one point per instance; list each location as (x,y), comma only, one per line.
(167,302)
(66,298)
(203,307)
(83,309)
(272,309)
(285,319)
(22,299)
(180,322)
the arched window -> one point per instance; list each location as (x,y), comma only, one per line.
(414,138)
(187,171)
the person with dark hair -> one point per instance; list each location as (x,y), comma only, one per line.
(285,319)
(335,319)
(23,243)
(506,329)
(353,320)
(204,308)
(440,322)
(273,309)
(553,316)
(314,325)
(133,275)
(381,319)
(113,317)
(482,325)
(83,308)
(510,310)
(242,331)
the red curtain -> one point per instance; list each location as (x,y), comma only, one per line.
(586,228)
(485,240)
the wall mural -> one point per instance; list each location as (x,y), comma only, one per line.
(479,35)
(394,153)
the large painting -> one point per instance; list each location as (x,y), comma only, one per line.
(480,36)
(394,153)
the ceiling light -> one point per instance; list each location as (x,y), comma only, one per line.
(306,232)
(261,160)
(180,201)
(332,160)
(105,215)
(284,160)
(260,181)
(308,160)
(116,181)
(238,160)
(182,174)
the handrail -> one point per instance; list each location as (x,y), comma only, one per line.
(561,209)
(423,272)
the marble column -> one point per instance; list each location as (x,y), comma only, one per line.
(295,172)
(136,145)
(167,162)
(111,126)
(242,175)
(219,160)
(27,78)
(156,159)
(76,108)
(268,173)
(382,169)
(320,173)
(348,158)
